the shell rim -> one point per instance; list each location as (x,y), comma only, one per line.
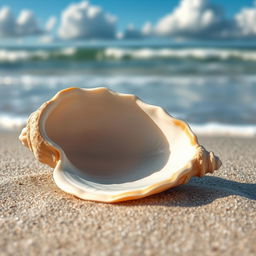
(64,184)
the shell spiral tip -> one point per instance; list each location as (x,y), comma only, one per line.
(207,161)
(214,163)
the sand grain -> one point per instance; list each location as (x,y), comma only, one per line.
(215,215)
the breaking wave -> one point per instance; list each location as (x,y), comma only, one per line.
(219,129)
(202,54)
(119,53)
(27,55)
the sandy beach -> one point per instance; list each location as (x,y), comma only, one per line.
(214,215)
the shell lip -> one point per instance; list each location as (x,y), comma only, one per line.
(64,183)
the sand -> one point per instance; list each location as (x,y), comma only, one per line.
(214,215)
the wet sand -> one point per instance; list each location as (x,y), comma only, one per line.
(214,215)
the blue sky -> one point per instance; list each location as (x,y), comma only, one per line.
(111,19)
(129,11)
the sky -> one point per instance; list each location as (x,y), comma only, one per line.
(131,11)
(133,19)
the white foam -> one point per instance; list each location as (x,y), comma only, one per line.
(197,53)
(22,55)
(14,56)
(218,129)
(69,51)
(12,123)
(8,55)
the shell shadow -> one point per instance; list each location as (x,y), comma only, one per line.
(198,192)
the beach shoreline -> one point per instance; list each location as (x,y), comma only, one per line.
(213,215)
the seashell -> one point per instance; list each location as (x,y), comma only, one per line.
(109,147)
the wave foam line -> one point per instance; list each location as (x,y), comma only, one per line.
(12,123)
(23,55)
(193,53)
(217,129)
(118,53)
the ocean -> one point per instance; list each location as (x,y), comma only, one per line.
(213,88)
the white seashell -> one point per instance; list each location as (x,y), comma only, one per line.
(109,147)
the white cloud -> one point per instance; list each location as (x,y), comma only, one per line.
(200,19)
(7,23)
(196,19)
(50,24)
(26,23)
(132,33)
(119,35)
(246,22)
(85,21)
(192,18)
(147,29)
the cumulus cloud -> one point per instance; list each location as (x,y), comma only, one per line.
(197,19)
(201,19)
(7,23)
(26,23)
(246,22)
(147,29)
(119,35)
(191,19)
(50,24)
(132,33)
(86,21)
(194,18)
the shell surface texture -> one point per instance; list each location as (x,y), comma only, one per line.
(109,147)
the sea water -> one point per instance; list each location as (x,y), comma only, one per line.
(213,88)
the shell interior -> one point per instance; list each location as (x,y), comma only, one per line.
(113,143)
